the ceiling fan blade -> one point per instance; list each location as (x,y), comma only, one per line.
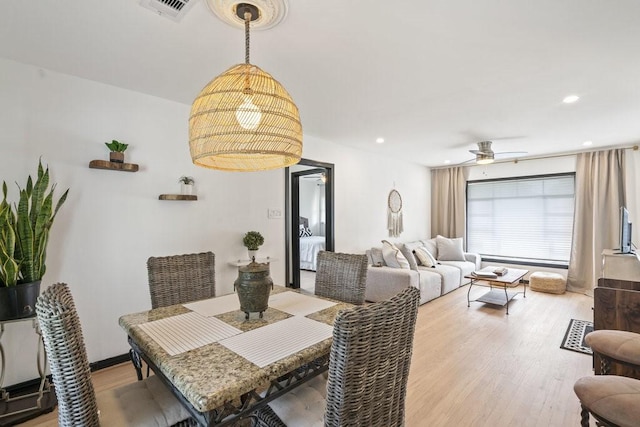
(507,154)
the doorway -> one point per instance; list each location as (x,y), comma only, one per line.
(309,190)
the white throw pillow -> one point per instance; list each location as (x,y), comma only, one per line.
(450,249)
(376,256)
(431,246)
(408,254)
(425,257)
(393,257)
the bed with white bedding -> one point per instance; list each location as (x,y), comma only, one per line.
(309,246)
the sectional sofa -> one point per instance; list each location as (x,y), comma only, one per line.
(434,276)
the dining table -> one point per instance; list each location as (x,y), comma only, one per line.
(221,366)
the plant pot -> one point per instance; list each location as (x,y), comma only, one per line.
(17,302)
(116,157)
(252,254)
(186,189)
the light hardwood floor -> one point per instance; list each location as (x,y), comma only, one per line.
(477,366)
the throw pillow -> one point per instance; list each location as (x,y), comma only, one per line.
(425,257)
(393,257)
(376,256)
(305,232)
(431,246)
(450,249)
(408,254)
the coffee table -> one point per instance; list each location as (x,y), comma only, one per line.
(499,296)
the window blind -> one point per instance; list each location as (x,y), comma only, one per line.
(526,218)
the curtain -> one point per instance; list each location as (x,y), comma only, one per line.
(448,202)
(600,191)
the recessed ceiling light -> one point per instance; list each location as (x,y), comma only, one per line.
(587,143)
(379,140)
(446,162)
(570,99)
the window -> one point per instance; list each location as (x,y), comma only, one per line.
(527,220)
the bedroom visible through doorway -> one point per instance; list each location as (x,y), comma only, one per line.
(309,219)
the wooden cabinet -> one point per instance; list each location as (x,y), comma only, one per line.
(616,305)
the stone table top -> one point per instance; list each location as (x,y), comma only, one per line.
(211,375)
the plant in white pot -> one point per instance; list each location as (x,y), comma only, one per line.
(186,184)
(24,235)
(253,240)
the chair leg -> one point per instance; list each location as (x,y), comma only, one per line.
(584,417)
(605,365)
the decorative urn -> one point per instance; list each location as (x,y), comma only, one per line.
(253,286)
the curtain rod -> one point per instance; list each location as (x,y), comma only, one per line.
(550,156)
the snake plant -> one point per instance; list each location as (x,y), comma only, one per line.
(29,229)
(9,267)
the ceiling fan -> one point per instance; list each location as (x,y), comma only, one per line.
(485,155)
(316,176)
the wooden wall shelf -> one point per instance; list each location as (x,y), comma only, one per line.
(187,197)
(105,164)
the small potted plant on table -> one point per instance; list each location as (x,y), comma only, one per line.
(117,151)
(252,240)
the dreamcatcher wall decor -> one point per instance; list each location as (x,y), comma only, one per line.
(394,214)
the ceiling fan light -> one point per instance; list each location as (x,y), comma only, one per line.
(484,158)
(484,161)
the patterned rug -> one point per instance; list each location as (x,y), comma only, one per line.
(574,337)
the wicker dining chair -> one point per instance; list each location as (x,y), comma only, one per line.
(368,370)
(341,276)
(143,403)
(177,279)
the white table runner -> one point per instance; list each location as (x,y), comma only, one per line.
(298,304)
(271,343)
(214,306)
(188,331)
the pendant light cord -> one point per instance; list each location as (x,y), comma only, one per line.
(247,19)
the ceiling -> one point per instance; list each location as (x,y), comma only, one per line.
(432,77)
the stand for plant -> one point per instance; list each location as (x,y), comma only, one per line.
(26,406)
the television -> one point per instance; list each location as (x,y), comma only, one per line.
(625,232)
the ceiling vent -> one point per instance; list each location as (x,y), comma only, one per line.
(172,9)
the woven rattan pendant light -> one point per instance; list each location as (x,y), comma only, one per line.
(244,119)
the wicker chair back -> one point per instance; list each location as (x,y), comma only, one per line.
(341,276)
(63,341)
(178,279)
(369,362)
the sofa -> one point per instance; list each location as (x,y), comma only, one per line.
(435,266)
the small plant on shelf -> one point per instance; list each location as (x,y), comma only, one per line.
(117,151)
(252,240)
(186,184)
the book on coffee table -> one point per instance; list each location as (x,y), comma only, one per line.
(485,274)
(500,271)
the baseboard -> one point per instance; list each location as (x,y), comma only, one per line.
(107,363)
(32,385)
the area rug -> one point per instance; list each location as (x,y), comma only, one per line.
(574,337)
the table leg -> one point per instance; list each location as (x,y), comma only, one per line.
(506,295)
(469,293)
(137,362)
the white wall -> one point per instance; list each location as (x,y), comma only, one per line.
(113,221)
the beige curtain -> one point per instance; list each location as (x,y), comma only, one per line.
(448,188)
(600,191)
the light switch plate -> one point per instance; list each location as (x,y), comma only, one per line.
(274,213)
